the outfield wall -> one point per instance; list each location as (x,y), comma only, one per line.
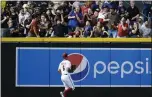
(108,67)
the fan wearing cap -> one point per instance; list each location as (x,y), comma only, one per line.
(113,21)
(146,30)
(121,10)
(140,21)
(102,16)
(63,69)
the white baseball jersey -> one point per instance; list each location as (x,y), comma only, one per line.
(64,66)
(66,78)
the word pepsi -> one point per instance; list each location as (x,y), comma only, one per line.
(114,67)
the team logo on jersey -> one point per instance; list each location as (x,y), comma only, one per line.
(80,66)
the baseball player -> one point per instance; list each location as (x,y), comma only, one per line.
(63,69)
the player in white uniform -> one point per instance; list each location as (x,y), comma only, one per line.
(64,68)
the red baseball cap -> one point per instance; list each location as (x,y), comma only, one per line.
(64,55)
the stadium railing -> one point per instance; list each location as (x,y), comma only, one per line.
(91,40)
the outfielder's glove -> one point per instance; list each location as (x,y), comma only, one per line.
(73,67)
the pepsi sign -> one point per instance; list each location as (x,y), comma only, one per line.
(81,65)
(91,67)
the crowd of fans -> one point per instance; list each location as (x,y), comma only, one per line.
(75,19)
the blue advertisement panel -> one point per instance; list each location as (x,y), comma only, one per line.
(94,67)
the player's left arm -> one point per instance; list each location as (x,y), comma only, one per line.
(59,69)
(69,67)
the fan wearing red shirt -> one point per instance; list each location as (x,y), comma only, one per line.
(34,27)
(123,28)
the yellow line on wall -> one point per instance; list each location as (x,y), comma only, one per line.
(90,40)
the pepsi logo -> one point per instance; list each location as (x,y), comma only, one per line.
(80,66)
